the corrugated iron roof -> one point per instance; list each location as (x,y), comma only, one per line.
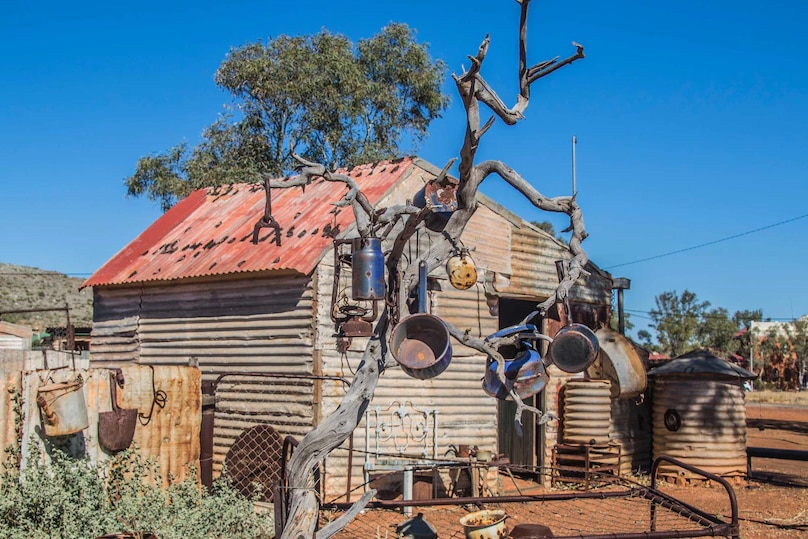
(698,362)
(210,231)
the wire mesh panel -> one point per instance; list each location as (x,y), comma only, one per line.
(254,462)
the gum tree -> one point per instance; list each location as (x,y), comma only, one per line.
(320,96)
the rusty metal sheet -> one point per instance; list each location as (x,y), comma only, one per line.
(210,232)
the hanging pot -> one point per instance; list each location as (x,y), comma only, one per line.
(62,407)
(421,343)
(621,364)
(116,428)
(574,348)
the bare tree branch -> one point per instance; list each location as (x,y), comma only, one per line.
(402,278)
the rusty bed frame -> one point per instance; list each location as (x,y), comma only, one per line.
(624,509)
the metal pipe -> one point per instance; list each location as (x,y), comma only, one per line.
(621,317)
(422,288)
(281,375)
(574,179)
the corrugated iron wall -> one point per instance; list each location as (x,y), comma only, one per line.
(533,258)
(116,314)
(631,428)
(260,324)
(10,390)
(167,429)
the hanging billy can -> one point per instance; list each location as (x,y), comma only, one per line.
(367,263)
(62,407)
(574,348)
(526,374)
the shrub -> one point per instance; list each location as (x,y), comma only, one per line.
(73,499)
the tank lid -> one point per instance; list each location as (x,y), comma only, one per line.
(697,362)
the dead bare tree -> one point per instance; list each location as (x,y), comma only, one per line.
(303,505)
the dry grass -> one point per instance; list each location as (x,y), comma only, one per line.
(778,397)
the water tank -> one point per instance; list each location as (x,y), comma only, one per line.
(587,412)
(631,428)
(699,416)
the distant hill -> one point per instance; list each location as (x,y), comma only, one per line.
(23,287)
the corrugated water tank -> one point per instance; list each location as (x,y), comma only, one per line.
(587,412)
(699,416)
(631,428)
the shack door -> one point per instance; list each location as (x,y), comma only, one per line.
(522,450)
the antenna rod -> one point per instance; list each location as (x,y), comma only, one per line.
(574,187)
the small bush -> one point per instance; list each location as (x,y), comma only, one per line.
(72,499)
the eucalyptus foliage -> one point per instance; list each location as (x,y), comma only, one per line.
(320,96)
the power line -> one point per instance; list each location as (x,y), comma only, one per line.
(699,246)
(639,314)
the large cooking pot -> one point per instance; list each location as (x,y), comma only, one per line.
(621,364)
(574,348)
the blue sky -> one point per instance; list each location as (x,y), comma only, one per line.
(691,120)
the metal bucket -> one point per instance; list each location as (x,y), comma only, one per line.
(62,408)
(574,348)
(621,364)
(525,374)
(421,344)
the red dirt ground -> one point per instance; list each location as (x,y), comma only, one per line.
(774,502)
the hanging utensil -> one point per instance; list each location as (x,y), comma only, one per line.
(62,407)
(524,370)
(421,343)
(116,429)
(574,348)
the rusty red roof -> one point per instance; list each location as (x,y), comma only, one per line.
(210,231)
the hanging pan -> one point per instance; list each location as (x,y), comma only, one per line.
(421,343)
(574,348)
(116,428)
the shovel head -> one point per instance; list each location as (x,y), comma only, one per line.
(116,428)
